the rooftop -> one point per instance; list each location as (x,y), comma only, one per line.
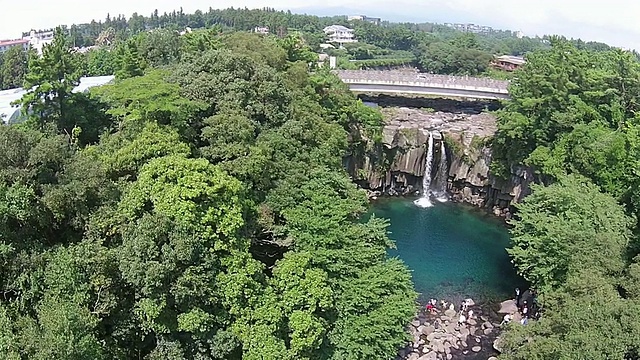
(516,60)
(337,28)
(13,42)
(7,111)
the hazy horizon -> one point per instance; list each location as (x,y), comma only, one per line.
(611,22)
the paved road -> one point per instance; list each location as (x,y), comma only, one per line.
(448,81)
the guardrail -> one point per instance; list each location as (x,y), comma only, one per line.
(418,84)
(423,83)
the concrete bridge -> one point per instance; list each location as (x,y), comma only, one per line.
(425,84)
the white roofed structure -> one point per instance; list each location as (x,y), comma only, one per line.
(9,112)
(340,34)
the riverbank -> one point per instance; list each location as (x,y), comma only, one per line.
(439,336)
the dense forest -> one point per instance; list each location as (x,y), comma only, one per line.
(573,117)
(197,207)
(197,210)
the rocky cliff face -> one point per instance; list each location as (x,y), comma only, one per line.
(397,165)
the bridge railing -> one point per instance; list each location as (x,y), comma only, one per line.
(444,85)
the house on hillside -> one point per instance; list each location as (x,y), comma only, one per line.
(508,62)
(340,34)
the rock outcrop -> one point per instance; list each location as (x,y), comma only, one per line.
(396,166)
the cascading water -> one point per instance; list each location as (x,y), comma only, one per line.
(440,184)
(424,201)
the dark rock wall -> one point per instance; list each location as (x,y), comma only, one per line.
(397,165)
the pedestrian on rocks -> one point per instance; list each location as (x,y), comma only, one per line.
(525,309)
(470,314)
(463,306)
(430,308)
(462,320)
(506,319)
(443,304)
(518,297)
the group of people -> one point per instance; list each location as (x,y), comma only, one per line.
(465,312)
(527,306)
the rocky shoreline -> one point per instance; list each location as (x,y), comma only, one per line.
(439,336)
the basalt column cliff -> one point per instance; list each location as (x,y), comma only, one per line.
(396,164)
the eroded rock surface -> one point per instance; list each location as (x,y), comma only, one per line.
(397,166)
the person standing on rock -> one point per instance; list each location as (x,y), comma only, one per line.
(430,308)
(462,320)
(518,297)
(470,314)
(506,319)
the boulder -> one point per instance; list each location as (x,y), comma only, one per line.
(429,356)
(476,349)
(451,328)
(464,332)
(497,344)
(508,307)
(426,330)
(450,313)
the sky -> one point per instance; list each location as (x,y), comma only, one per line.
(610,21)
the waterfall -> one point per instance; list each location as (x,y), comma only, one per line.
(426,179)
(442,175)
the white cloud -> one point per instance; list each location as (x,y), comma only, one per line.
(611,21)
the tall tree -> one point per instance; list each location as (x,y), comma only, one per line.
(51,79)
(13,68)
(566,227)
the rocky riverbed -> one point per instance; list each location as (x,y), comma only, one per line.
(439,336)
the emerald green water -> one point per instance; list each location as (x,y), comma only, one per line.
(454,251)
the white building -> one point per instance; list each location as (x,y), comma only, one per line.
(372,20)
(264,30)
(8,44)
(39,39)
(340,34)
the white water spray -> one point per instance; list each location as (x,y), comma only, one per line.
(424,201)
(442,175)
